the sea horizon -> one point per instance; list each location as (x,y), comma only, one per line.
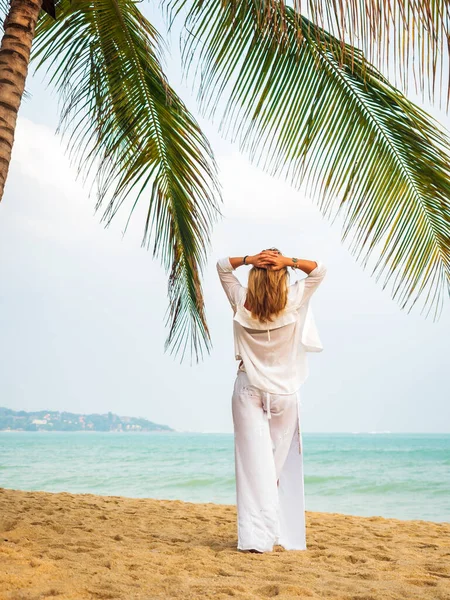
(389,474)
(172,431)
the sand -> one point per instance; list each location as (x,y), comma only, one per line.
(77,546)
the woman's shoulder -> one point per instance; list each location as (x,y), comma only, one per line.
(296,289)
(242,296)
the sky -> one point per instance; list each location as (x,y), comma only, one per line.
(82,307)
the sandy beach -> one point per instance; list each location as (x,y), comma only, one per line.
(80,546)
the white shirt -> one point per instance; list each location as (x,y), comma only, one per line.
(274,353)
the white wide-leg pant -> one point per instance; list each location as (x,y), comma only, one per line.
(268,448)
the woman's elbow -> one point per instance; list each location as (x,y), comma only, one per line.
(223,265)
(320,270)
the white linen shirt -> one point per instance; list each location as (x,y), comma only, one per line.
(274,353)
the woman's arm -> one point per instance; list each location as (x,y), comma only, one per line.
(315,270)
(312,282)
(261,260)
(278,261)
(230,283)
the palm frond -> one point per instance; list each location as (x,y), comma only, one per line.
(4,8)
(359,146)
(408,38)
(397,35)
(126,123)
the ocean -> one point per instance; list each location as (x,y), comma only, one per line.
(405,476)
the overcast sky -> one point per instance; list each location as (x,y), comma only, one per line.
(82,307)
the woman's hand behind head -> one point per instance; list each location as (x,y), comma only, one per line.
(275,261)
(263,259)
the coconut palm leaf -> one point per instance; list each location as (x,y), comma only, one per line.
(394,33)
(403,36)
(126,124)
(357,144)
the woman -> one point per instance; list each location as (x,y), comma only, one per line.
(273,329)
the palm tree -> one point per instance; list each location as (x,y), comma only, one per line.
(129,126)
(300,98)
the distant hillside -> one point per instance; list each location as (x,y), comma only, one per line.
(49,420)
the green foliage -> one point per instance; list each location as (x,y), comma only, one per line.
(128,126)
(406,37)
(307,107)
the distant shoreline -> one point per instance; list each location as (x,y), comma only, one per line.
(56,420)
(88,431)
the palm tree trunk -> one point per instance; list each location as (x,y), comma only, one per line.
(14,58)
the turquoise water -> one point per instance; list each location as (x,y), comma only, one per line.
(406,476)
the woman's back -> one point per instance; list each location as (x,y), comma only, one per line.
(273,351)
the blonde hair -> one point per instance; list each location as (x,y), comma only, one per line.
(267,292)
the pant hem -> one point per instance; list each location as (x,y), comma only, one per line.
(255,548)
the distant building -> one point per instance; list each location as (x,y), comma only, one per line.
(39,421)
